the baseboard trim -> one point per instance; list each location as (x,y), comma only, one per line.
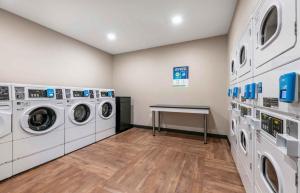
(185,132)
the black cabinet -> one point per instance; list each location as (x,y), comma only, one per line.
(123,114)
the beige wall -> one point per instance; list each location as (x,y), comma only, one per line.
(241,18)
(146,76)
(30,53)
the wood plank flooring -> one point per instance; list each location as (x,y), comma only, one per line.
(136,162)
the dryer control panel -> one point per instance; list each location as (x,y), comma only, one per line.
(271,125)
(245,111)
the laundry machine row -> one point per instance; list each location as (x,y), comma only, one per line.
(269,42)
(264,82)
(41,123)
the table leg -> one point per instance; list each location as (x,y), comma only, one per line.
(159,121)
(205,129)
(153,122)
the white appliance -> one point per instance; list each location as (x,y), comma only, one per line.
(233,138)
(275,166)
(38,126)
(105,114)
(5,131)
(280,89)
(245,146)
(275,34)
(245,55)
(79,118)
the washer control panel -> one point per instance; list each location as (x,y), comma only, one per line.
(41,93)
(245,111)
(91,93)
(108,94)
(4,93)
(59,94)
(19,93)
(81,93)
(271,125)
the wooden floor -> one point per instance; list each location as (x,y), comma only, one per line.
(136,162)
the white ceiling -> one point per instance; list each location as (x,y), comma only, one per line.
(138,24)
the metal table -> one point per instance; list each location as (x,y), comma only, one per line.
(203,110)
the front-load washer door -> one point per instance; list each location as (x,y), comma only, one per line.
(42,119)
(233,132)
(81,113)
(106,109)
(275,31)
(233,67)
(244,55)
(275,172)
(243,138)
(5,123)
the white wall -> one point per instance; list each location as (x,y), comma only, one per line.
(30,53)
(146,76)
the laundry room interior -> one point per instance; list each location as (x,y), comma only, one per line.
(139,96)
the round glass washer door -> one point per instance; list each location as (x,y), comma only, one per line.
(41,119)
(233,126)
(106,110)
(243,141)
(269,26)
(81,113)
(269,174)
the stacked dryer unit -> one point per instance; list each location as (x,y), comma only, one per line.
(38,126)
(276,70)
(80,118)
(271,94)
(105,114)
(5,131)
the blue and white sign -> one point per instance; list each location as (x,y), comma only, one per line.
(181,76)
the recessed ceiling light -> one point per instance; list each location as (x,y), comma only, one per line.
(111,36)
(177,19)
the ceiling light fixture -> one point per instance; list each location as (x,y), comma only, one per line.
(111,36)
(177,19)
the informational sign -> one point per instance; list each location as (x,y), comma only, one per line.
(181,76)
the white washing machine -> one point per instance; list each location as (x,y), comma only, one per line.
(5,131)
(105,114)
(280,89)
(79,118)
(245,146)
(245,54)
(38,126)
(275,34)
(275,170)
